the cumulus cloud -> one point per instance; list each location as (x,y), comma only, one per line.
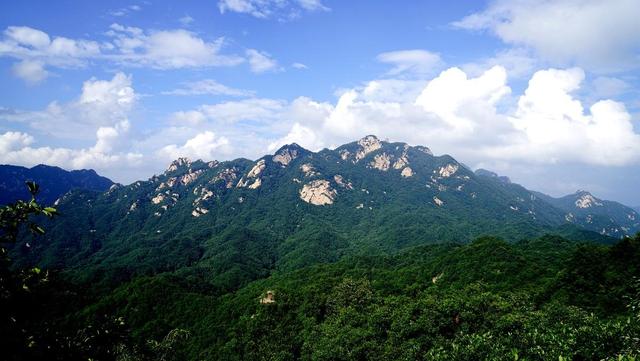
(101,103)
(261,62)
(208,87)
(205,145)
(100,112)
(553,126)
(461,115)
(263,9)
(416,61)
(594,34)
(16,149)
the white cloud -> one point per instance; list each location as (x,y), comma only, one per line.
(299,66)
(553,126)
(263,9)
(100,112)
(10,141)
(35,50)
(189,118)
(518,62)
(124,11)
(261,62)
(253,109)
(416,61)
(461,115)
(206,146)
(167,49)
(17,149)
(101,103)
(31,71)
(208,87)
(595,34)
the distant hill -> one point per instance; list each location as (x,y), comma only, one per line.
(54,182)
(605,217)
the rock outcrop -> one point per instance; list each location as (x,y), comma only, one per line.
(368,144)
(287,154)
(586,200)
(407,172)
(178,163)
(448,170)
(308,170)
(381,162)
(318,192)
(341,182)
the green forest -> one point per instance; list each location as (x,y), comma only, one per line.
(542,298)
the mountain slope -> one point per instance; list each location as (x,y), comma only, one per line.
(605,217)
(53,181)
(238,220)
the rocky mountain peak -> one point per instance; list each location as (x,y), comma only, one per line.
(287,153)
(178,163)
(367,145)
(586,200)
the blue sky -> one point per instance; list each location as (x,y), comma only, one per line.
(545,92)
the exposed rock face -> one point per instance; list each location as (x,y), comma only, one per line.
(318,192)
(253,173)
(268,298)
(586,200)
(437,201)
(178,163)
(199,211)
(381,162)
(448,170)
(157,199)
(257,169)
(344,154)
(403,160)
(369,144)
(228,175)
(308,170)
(213,164)
(407,172)
(190,177)
(341,182)
(256,184)
(285,156)
(205,194)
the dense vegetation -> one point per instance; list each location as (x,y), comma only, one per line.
(546,298)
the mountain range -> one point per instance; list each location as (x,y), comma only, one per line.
(240,219)
(53,181)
